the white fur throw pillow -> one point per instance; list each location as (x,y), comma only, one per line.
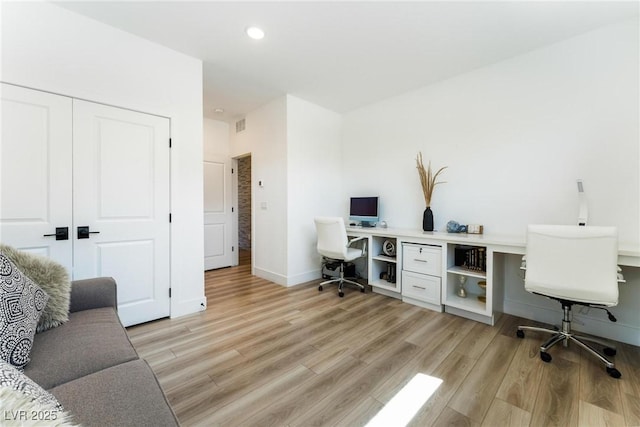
(52,278)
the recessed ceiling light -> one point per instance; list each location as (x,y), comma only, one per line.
(219,110)
(255,33)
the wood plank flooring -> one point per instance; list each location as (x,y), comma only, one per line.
(266,355)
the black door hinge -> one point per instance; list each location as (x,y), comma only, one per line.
(169,292)
(169,142)
(232,209)
(233,248)
(169,217)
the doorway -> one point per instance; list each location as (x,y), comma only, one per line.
(244,210)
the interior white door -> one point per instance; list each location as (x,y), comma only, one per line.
(218,239)
(35,172)
(121,195)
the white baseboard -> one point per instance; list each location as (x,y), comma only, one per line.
(184,308)
(301,278)
(489,320)
(427,305)
(617,331)
(386,292)
(270,275)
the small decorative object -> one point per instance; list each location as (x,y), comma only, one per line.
(462,292)
(482,284)
(389,247)
(474,229)
(383,224)
(428,180)
(454,227)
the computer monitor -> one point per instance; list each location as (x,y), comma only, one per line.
(365,210)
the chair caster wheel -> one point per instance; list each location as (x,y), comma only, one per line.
(608,351)
(519,333)
(546,357)
(614,373)
(340,294)
(320,288)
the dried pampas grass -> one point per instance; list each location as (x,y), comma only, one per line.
(427,179)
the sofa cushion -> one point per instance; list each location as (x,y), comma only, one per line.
(11,378)
(21,305)
(123,395)
(90,341)
(51,277)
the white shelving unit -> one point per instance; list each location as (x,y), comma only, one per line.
(380,264)
(418,288)
(471,306)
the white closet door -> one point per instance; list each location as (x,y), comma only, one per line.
(121,193)
(217,213)
(35,172)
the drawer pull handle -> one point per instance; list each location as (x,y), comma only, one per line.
(420,260)
(419,287)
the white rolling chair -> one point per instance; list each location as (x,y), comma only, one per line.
(334,246)
(575,265)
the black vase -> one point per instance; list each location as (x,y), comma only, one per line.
(427,219)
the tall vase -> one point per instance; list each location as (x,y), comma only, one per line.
(427,219)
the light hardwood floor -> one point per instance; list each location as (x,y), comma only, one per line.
(266,355)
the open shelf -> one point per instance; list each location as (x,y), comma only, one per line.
(466,272)
(470,303)
(384,258)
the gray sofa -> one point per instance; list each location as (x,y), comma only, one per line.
(91,367)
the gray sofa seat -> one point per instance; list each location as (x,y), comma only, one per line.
(90,341)
(91,367)
(124,395)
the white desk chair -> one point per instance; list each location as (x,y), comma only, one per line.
(573,265)
(334,245)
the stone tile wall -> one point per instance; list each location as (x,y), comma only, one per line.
(244,202)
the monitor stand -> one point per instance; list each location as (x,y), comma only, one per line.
(365,224)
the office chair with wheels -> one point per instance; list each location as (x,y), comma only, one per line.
(574,265)
(334,246)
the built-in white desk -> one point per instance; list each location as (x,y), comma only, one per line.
(427,273)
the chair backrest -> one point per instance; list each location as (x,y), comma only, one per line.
(332,237)
(574,263)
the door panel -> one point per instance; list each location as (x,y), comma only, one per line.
(121,192)
(35,171)
(217,213)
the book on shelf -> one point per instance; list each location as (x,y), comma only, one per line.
(475,258)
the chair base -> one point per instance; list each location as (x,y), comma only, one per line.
(341,282)
(565,336)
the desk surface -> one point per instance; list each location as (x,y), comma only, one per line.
(627,256)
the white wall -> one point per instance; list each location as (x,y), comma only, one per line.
(516,135)
(216,139)
(265,137)
(295,151)
(314,169)
(49,48)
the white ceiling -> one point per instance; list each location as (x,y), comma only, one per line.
(344,55)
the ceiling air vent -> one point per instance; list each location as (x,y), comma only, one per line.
(240,124)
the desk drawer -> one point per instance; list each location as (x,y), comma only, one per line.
(422,259)
(421,287)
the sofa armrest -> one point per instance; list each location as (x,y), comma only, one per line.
(93,293)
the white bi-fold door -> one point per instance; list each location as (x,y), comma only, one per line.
(108,171)
(121,205)
(35,172)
